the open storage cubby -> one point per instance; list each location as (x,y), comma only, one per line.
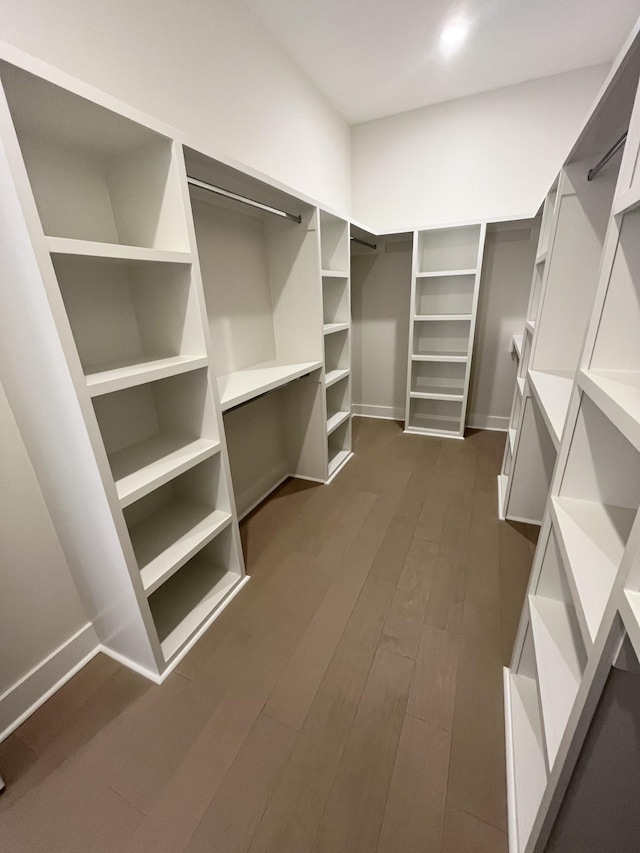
(452,294)
(526,764)
(338,404)
(95,175)
(448,249)
(560,650)
(339,446)
(436,415)
(335,300)
(613,375)
(532,467)
(181,605)
(441,338)
(334,243)
(170,524)
(336,352)
(130,317)
(536,292)
(438,379)
(595,508)
(153,432)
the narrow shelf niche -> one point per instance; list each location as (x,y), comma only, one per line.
(182,604)
(439,378)
(448,249)
(533,467)
(339,446)
(441,338)
(596,507)
(169,525)
(153,432)
(615,361)
(560,651)
(536,293)
(128,313)
(335,300)
(338,406)
(95,175)
(527,768)
(440,415)
(336,351)
(445,294)
(334,243)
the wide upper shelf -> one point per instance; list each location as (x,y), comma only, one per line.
(243,385)
(553,393)
(118,251)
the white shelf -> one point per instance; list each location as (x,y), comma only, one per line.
(617,394)
(167,540)
(592,537)
(503,482)
(516,345)
(627,201)
(335,274)
(553,393)
(438,393)
(244,385)
(526,769)
(445,273)
(559,659)
(91,248)
(182,604)
(530,326)
(512,439)
(542,257)
(432,318)
(440,356)
(144,466)
(331,328)
(333,376)
(520,384)
(338,460)
(103,379)
(336,420)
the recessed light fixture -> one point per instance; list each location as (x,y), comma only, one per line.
(454,34)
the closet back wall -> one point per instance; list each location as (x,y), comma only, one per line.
(206,67)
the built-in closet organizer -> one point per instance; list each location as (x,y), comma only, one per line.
(273,325)
(581,621)
(118,406)
(447,264)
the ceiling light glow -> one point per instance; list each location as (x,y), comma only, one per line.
(454,34)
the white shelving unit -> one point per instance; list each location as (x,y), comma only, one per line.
(260,273)
(335,257)
(122,406)
(584,588)
(447,263)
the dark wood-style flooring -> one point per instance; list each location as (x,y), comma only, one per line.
(349,699)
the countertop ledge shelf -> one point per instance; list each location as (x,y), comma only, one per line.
(89,248)
(244,385)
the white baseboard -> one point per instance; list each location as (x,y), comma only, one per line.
(387,413)
(490,422)
(33,689)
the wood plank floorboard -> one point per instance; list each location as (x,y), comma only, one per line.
(349,699)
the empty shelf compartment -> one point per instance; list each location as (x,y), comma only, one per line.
(154,432)
(445,338)
(443,416)
(338,404)
(334,243)
(441,380)
(169,525)
(335,299)
(339,445)
(445,294)
(448,249)
(336,351)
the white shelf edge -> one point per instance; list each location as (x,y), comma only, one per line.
(331,328)
(434,318)
(520,383)
(92,249)
(334,376)
(440,357)
(441,433)
(513,433)
(503,482)
(117,379)
(153,575)
(542,257)
(446,273)
(517,342)
(334,274)
(243,385)
(530,326)
(620,401)
(336,420)
(626,201)
(553,394)
(337,463)
(435,395)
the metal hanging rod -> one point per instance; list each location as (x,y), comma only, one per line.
(228,194)
(364,243)
(601,163)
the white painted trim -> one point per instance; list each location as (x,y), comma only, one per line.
(339,468)
(39,684)
(494,423)
(387,413)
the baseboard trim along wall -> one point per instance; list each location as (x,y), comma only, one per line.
(33,689)
(387,413)
(490,422)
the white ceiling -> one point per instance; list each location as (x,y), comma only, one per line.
(373,58)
